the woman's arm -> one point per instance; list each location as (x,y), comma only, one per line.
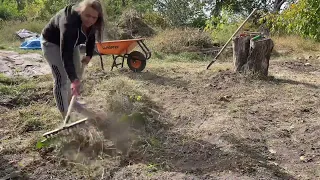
(68,39)
(90,44)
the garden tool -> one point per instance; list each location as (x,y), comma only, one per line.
(82,110)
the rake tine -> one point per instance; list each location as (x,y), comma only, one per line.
(66,127)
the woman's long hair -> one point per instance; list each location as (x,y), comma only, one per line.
(99,25)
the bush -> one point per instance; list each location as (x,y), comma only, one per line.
(155,20)
(9,10)
(222,28)
(301,19)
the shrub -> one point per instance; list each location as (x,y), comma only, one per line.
(221,28)
(8,10)
(301,19)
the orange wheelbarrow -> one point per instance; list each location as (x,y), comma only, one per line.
(123,49)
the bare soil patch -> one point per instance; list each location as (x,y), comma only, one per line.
(26,65)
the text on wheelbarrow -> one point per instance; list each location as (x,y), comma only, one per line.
(110,47)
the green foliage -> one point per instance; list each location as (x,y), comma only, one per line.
(180,12)
(48,7)
(221,28)
(30,10)
(199,22)
(44,143)
(301,19)
(9,10)
(155,19)
(114,8)
(143,6)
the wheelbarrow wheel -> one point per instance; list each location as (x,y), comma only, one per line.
(136,61)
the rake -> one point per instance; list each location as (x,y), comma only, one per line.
(82,110)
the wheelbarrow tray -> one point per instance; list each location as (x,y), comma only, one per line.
(124,49)
(117,47)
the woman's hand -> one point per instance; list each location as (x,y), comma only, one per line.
(86,59)
(75,87)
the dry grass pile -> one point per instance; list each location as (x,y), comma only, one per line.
(292,45)
(127,117)
(133,26)
(181,40)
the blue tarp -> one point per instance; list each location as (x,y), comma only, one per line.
(32,44)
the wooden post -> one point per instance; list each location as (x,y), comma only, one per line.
(252,56)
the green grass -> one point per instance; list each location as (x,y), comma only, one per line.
(20,92)
(14,87)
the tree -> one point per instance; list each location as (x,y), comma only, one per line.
(8,10)
(180,12)
(244,7)
(114,8)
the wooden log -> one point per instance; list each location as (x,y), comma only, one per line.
(241,48)
(260,53)
(252,56)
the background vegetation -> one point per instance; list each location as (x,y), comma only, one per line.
(201,24)
(175,120)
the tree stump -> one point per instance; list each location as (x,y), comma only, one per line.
(252,56)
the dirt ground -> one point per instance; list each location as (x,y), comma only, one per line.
(198,124)
(26,65)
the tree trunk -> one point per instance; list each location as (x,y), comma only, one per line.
(252,56)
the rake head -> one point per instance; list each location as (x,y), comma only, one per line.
(90,114)
(67,127)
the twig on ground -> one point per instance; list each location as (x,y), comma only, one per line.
(154,111)
(102,175)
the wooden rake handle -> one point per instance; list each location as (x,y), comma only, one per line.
(73,99)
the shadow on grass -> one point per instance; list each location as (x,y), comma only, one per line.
(290,81)
(157,79)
